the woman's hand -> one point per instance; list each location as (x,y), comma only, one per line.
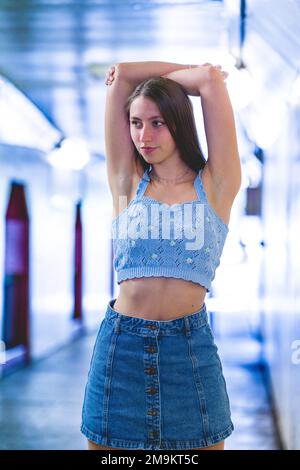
(194,79)
(214,71)
(110,75)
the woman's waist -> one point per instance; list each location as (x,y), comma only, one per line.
(159,298)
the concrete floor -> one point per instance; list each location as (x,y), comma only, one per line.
(41,405)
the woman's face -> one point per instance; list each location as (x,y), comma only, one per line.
(148,129)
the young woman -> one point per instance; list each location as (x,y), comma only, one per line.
(155,378)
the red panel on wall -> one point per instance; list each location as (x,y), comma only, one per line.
(16,271)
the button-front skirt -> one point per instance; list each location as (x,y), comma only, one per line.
(155,384)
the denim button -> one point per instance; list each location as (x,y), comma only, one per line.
(153,434)
(152,391)
(151,350)
(152,327)
(150,371)
(152,412)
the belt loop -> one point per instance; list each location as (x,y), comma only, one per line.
(187,326)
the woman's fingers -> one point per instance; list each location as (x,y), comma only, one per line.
(110,73)
(223,72)
(109,77)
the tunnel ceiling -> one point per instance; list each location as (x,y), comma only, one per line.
(46,47)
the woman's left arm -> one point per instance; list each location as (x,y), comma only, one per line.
(223,156)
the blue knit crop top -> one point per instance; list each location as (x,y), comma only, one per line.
(152,238)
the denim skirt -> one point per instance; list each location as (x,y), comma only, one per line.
(155,384)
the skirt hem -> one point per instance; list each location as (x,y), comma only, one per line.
(163,445)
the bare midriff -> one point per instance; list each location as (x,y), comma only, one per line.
(159,298)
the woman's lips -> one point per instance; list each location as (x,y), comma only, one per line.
(148,149)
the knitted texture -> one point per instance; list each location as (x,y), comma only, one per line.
(184,241)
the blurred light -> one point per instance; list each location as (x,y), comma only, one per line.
(72,153)
(294,97)
(60,202)
(21,122)
(253,169)
(267,119)
(232,7)
(241,87)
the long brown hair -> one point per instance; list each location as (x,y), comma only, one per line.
(176,109)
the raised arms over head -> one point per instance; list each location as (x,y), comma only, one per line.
(122,164)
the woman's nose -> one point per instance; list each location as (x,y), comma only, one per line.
(146,133)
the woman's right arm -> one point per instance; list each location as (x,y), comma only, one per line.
(120,155)
(136,72)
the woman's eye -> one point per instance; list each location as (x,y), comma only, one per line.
(158,122)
